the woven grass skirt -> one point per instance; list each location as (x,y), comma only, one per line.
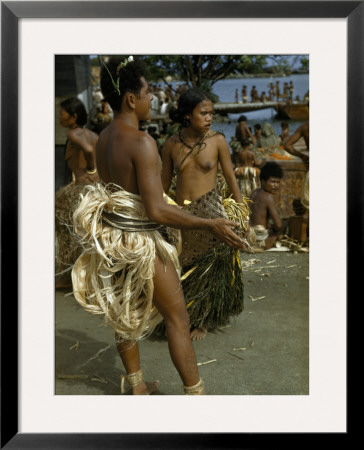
(67,246)
(211,276)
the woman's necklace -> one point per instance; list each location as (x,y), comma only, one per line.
(199,145)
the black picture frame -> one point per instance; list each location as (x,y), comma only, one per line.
(11,12)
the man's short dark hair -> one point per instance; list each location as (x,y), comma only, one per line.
(242,119)
(271,169)
(126,78)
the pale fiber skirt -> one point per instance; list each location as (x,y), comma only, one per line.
(114,274)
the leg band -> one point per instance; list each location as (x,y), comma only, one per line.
(133,379)
(197,389)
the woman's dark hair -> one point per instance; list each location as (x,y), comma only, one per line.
(271,169)
(116,81)
(187,102)
(74,106)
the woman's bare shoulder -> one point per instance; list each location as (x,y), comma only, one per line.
(218,135)
(172,142)
(79,133)
(174,139)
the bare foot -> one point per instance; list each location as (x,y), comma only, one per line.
(198,334)
(146,388)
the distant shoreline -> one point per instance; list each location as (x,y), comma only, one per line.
(245,76)
(265,75)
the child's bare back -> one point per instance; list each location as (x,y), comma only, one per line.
(246,158)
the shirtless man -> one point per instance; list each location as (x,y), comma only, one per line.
(302,131)
(257,135)
(242,132)
(244,94)
(263,209)
(285,132)
(129,158)
(254,94)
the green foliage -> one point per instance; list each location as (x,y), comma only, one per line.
(305,64)
(280,64)
(202,70)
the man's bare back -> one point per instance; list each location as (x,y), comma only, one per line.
(115,155)
(243,133)
(302,131)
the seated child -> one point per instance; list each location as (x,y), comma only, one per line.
(264,217)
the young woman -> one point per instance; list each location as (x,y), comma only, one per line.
(194,156)
(81,142)
(80,156)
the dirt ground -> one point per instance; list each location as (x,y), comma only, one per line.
(264,351)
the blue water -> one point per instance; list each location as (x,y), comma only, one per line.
(225,89)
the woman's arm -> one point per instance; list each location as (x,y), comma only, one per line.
(167,170)
(87,149)
(227,169)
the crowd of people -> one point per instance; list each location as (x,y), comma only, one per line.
(274,93)
(156,235)
(259,175)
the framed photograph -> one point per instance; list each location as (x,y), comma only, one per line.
(32,33)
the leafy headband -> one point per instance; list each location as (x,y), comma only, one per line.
(122,64)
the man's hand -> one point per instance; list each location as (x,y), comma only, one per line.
(221,228)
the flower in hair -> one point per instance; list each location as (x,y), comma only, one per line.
(123,64)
